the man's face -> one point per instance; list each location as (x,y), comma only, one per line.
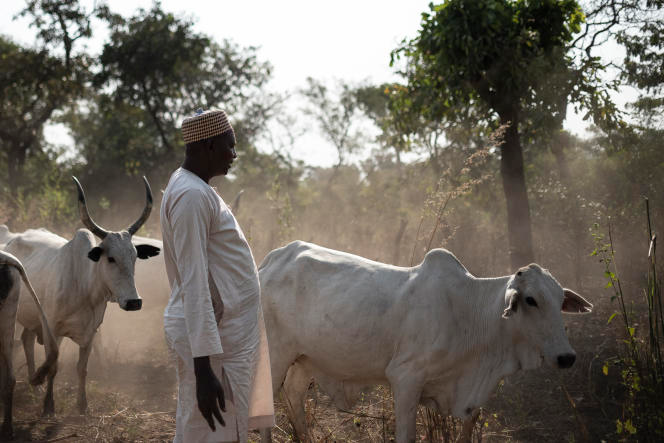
(222,153)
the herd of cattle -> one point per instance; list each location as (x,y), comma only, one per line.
(434,333)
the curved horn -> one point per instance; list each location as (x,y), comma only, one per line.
(146,212)
(85,216)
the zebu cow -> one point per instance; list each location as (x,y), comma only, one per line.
(435,333)
(77,279)
(11,274)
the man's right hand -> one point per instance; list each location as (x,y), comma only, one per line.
(209,393)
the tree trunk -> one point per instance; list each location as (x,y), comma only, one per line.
(397,154)
(520,238)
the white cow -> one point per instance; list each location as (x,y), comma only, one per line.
(11,274)
(435,333)
(76,279)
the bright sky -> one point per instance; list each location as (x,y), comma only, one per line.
(346,39)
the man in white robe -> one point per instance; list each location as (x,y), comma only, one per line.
(213,322)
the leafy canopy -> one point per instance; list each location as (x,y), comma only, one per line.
(489,53)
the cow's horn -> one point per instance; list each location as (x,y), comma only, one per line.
(146,212)
(85,216)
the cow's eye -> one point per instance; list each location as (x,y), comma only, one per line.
(531,301)
(111,260)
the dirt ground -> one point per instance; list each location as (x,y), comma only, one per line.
(132,395)
(132,392)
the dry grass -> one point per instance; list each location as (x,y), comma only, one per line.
(132,397)
(133,400)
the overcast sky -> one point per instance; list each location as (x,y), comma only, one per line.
(345,39)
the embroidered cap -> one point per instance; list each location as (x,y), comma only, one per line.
(205,124)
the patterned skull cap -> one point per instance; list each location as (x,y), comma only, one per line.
(205,124)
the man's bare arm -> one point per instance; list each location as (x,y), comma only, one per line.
(209,393)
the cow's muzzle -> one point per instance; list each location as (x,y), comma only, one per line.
(135,305)
(566,360)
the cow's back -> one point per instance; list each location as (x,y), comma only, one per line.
(5,236)
(38,250)
(33,242)
(318,301)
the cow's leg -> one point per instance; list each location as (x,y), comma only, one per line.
(407,389)
(280,362)
(82,370)
(49,404)
(7,382)
(466,435)
(296,385)
(28,340)
(99,353)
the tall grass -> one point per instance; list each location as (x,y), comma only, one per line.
(641,361)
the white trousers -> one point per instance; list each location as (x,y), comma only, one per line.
(234,369)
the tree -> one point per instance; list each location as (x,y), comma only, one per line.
(155,61)
(33,84)
(153,71)
(379,104)
(644,60)
(335,118)
(493,55)
(62,22)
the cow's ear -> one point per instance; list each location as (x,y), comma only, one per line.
(95,253)
(512,298)
(147,251)
(573,303)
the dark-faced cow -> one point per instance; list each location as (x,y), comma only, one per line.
(76,279)
(11,274)
(435,333)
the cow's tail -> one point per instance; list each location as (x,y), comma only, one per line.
(50,345)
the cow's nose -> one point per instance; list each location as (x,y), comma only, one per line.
(566,360)
(136,303)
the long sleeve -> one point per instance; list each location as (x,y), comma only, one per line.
(190,219)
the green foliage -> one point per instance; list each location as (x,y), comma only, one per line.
(496,58)
(155,61)
(62,22)
(381,104)
(643,66)
(154,70)
(33,85)
(117,141)
(493,52)
(641,363)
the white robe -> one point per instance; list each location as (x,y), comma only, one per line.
(214,310)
